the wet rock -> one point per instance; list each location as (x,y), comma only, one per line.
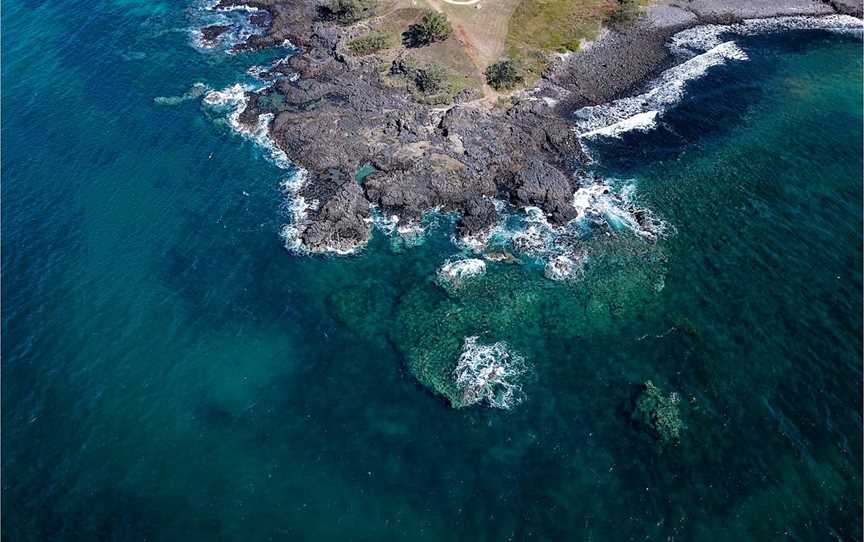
(542,185)
(479,215)
(211,33)
(340,220)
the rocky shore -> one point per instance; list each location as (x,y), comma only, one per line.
(337,117)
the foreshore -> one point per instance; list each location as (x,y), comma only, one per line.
(338,118)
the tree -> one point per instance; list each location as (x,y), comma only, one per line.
(348,11)
(504,75)
(431,79)
(433,27)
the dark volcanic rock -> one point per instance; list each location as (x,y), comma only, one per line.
(339,116)
(260,19)
(478,216)
(340,220)
(212,32)
(542,185)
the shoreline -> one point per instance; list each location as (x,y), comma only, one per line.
(608,70)
(332,117)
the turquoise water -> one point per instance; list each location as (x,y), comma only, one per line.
(171,372)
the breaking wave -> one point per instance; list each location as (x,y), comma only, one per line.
(490,374)
(641,111)
(702,47)
(453,272)
(701,38)
(403,233)
(234,100)
(235,17)
(602,206)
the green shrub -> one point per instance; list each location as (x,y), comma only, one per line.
(625,14)
(349,11)
(370,43)
(431,79)
(433,27)
(658,414)
(404,65)
(504,75)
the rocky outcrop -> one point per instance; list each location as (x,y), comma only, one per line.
(211,33)
(339,218)
(338,116)
(539,184)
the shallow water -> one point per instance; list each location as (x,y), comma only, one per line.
(170,371)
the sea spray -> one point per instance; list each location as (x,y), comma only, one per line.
(454,272)
(703,47)
(641,111)
(698,39)
(489,373)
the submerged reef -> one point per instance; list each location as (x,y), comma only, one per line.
(473,344)
(658,414)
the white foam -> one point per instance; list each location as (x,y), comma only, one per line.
(260,71)
(489,373)
(234,99)
(238,7)
(564,267)
(402,232)
(233,95)
(636,111)
(298,209)
(454,272)
(641,122)
(236,17)
(703,47)
(702,38)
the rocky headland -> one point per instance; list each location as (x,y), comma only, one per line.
(338,118)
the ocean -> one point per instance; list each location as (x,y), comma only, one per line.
(170,371)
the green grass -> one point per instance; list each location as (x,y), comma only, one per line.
(538,27)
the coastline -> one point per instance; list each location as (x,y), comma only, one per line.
(332,117)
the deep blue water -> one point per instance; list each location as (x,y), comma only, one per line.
(171,372)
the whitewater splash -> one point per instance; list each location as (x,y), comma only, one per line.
(641,111)
(235,17)
(490,374)
(602,208)
(695,40)
(298,211)
(454,272)
(402,233)
(234,100)
(703,47)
